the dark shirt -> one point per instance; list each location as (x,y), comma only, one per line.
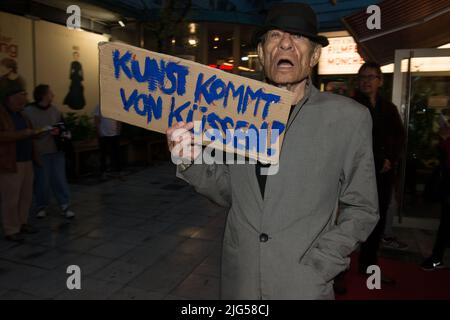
(24,147)
(262,178)
(388,132)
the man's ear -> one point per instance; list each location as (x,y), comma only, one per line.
(315,55)
(260,54)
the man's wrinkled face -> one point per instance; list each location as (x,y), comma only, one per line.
(369,81)
(287,58)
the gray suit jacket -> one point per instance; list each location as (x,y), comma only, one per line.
(316,209)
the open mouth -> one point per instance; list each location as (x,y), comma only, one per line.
(285,63)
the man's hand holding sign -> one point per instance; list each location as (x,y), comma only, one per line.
(181,142)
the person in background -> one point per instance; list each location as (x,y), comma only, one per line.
(16,162)
(108,133)
(435,261)
(389,239)
(388,139)
(52,174)
(9,73)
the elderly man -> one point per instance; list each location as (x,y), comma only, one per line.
(16,161)
(288,235)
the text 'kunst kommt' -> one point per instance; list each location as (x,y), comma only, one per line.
(211,94)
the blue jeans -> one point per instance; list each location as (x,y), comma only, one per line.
(51,175)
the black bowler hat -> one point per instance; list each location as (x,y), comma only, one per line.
(298,18)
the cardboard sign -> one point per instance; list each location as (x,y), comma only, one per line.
(154,91)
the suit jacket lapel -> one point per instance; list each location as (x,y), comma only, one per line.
(271,180)
(308,90)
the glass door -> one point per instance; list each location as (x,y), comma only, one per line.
(422,93)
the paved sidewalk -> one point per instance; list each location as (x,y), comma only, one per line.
(149,237)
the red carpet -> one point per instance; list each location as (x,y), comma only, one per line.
(412,283)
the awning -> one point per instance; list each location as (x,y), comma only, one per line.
(405,24)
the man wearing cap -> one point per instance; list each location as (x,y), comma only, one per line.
(16,167)
(288,235)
